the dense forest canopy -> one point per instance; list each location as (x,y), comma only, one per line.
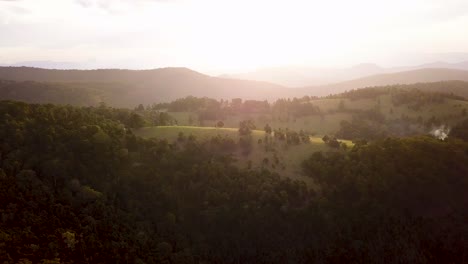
(77,186)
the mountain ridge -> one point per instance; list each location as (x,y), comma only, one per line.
(147,86)
(427,75)
(309,76)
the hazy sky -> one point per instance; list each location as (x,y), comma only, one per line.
(237,35)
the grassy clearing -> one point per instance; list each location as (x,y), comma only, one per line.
(449,111)
(171,132)
(328,124)
(290,156)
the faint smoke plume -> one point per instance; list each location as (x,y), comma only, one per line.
(441,132)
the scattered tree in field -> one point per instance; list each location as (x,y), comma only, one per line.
(181,137)
(246,127)
(268,129)
(140,108)
(136,121)
(331,141)
(326,138)
(341,106)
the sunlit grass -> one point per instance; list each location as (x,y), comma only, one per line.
(291,156)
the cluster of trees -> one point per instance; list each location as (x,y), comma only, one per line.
(37,92)
(460,130)
(333,142)
(447,89)
(363,93)
(416,98)
(369,125)
(245,136)
(291,137)
(189,104)
(154,117)
(297,107)
(78,187)
(211,109)
(401,199)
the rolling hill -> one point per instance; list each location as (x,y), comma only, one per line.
(141,86)
(128,88)
(406,77)
(306,76)
(314,76)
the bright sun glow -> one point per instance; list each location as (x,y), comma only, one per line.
(214,35)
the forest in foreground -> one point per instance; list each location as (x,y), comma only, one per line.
(78,186)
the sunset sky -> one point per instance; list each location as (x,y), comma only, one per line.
(227,36)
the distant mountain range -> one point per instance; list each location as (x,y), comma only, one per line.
(59,65)
(306,76)
(127,88)
(145,86)
(404,77)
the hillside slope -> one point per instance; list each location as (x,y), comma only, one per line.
(128,88)
(146,86)
(406,77)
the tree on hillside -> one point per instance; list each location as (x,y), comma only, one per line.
(236,104)
(326,138)
(246,127)
(136,121)
(460,130)
(140,108)
(165,119)
(341,106)
(245,136)
(268,129)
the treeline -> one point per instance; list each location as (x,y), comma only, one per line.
(36,92)
(78,187)
(416,98)
(211,109)
(413,96)
(373,125)
(446,89)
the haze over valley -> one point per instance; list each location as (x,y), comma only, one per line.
(208,131)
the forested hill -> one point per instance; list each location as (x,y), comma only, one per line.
(405,77)
(99,75)
(127,88)
(146,86)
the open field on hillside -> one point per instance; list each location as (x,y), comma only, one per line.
(449,111)
(290,157)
